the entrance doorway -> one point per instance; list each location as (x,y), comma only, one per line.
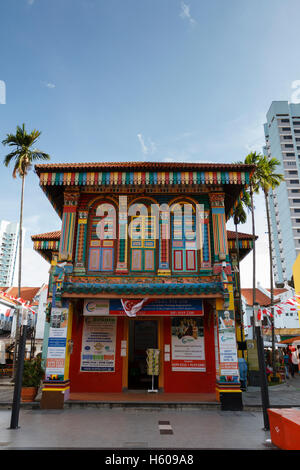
(143,334)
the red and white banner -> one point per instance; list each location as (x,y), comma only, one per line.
(132,306)
(24,303)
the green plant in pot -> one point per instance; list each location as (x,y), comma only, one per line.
(33,374)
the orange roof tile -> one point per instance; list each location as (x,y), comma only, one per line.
(231,235)
(278,291)
(47,236)
(27,293)
(260,297)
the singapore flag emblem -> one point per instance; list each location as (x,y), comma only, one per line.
(132,306)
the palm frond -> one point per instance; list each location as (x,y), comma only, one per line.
(23,154)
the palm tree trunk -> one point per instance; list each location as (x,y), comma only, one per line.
(254,257)
(17,332)
(239,282)
(271,284)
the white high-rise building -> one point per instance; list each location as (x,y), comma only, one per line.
(282,134)
(9,232)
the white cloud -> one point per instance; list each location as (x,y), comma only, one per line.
(185,13)
(30,2)
(148,148)
(141,140)
(50,85)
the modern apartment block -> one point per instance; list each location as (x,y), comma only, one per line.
(282,134)
(8,251)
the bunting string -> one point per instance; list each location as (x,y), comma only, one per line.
(20,301)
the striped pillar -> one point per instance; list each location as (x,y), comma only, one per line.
(80,254)
(204,234)
(68,225)
(123,237)
(164,243)
(219,226)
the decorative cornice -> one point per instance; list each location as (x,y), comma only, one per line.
(143,288)
(237,175)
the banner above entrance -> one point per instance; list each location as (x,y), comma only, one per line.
(162,307)
(158,307)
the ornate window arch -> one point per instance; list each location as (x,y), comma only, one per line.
(102,234)
(142,237)
(184,237)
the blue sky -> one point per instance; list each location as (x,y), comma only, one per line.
(155,80)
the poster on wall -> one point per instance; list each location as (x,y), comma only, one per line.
(227,345)
(55,365)
(216,351)
(98,344)
(188,353)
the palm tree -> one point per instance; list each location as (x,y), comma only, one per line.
(23,155)
(269,180)
(240,217)
(253,158)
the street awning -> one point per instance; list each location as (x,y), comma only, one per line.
(296,339)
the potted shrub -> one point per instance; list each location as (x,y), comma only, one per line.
(32,376)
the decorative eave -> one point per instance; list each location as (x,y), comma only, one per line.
(82,289)
(245,241)
(46,243)
(144,176)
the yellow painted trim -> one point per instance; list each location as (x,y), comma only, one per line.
(69,336)
(161,348)
(125,359)
(229,391)
(54,389)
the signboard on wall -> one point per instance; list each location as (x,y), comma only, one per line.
(98,344)
(163,307)
(228,362)
(55,365)
(252,354)
(95,307)
(188,353)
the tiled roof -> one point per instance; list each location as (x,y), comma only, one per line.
(260,297)
(231,235)
(56,236)
(143,165)
(278,291)
(27,293)
(47,236)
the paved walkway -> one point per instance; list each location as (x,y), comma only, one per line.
(156,427)
(113,429)
(283,395)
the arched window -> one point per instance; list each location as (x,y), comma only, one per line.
(102,238)
(142,233)
(184,238)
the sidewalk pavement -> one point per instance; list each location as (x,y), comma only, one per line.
(130,428)
(284,395)
(88,427)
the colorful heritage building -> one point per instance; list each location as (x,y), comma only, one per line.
(143,280)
